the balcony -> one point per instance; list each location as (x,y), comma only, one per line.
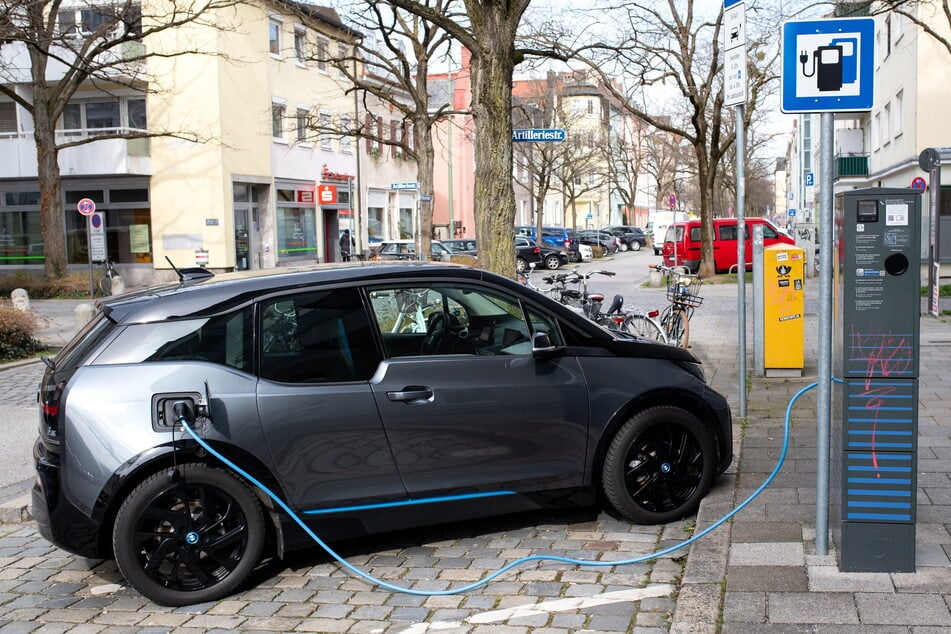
(104,156)
(851,166)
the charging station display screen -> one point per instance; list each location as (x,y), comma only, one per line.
(867,211)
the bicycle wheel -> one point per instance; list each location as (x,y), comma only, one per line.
(645,328)
(675,325)
(105,284)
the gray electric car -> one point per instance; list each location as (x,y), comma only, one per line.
(369,397)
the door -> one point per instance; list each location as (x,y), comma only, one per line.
(465,405)
(316,354)
(724,246)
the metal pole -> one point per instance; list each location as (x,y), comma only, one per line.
(824,404)
(92,288)
(741,255)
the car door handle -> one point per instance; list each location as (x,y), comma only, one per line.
(411,393)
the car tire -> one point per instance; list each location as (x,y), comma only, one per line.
(635,246)
(520,265)
(659,465)
(657,252)
(622,246)
(552,262)
(174,549)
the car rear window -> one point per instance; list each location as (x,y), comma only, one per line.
(222,339)
(85,342)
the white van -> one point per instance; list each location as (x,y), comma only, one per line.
(657,224)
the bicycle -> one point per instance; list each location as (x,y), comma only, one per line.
(105,279)
(683,293)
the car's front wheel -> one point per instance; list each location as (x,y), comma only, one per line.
(622,246)
(521,265)
(189,539)
(659,465)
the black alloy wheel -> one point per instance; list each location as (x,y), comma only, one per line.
(191,540)
(659,465)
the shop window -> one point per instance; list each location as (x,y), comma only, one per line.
(296,233)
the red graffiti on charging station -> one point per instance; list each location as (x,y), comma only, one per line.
(887,356)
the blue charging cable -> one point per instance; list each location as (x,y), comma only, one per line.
(477,584)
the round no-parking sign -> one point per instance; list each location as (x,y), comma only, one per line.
(86,206)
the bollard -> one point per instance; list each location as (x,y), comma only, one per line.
(20,299)
(84,313)
(655,278)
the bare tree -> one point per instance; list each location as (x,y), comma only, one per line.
(107,45)
(391,67)
(489,33)
(933,17)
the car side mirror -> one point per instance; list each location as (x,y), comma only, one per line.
(542,345)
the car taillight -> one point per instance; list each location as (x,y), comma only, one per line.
(49,410)
(567,243)
(536,250)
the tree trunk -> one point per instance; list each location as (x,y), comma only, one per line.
(424,174)
(707,264)
(494,203)
(52,225)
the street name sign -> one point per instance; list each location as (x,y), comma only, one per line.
(404,185)
(539,134)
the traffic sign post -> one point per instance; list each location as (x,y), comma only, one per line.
(97,237)
(734,94)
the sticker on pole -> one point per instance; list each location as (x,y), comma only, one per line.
(86,207)
(828,65)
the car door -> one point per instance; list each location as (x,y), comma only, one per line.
(476,411)
(724,246)
(316,353)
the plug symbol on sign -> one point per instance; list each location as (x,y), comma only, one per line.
(832,65)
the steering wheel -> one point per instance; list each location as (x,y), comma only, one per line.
(437,331)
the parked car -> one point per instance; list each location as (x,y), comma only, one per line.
(358,395)
(558,237)
(585,252)
(527,250)
(406,250)
(600,238)
(630,238)
(461,246)
(682,243)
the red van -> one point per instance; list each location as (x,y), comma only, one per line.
(685,236)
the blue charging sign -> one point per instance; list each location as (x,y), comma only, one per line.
(828,65)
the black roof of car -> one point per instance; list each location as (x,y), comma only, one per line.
(230,290)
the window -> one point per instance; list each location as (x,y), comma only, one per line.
(8,117)
(346,142)
(101,115)
(887,122)
(590,106)
(135,111)
(444,318)
(326,133)
(277,120)
(274,37)
(302,125)
(317,337)
(888,35)
(727,232)
(322,55)
(899,113)
(342,60)
(394,137)
(875,131)
(300,45)
(225,340)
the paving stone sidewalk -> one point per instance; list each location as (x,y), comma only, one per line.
(761,573)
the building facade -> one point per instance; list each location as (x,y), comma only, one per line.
(248,177)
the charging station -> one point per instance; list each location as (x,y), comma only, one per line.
(875,407)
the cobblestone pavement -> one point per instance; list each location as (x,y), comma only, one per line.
(44,589)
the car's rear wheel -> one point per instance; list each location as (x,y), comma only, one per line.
(659,465)
(552,262)
(622,246)
(190,540)
(635,246)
